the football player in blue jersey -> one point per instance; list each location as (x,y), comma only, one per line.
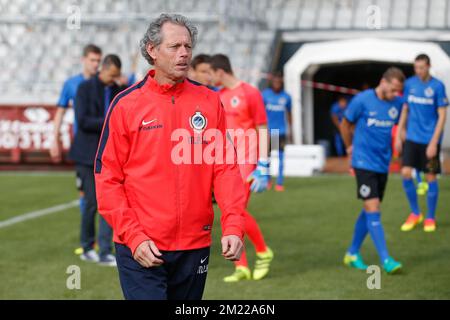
(423,118)
(372,114)
(278,108)
(337,111)
(92,56)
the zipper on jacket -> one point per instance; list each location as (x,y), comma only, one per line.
(177,188)
(177,199)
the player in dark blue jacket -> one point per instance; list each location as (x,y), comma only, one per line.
(92,101)
(90,60)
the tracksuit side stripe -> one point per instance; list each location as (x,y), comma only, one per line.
(105,134)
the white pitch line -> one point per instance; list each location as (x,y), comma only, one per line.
(38,213)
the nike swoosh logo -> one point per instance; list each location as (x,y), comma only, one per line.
(144,123)
(203,260)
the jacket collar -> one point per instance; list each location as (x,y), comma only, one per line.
(166,89)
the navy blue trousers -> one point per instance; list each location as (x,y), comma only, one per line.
(182,276)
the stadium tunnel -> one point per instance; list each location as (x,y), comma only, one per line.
(348,63)
(357,75)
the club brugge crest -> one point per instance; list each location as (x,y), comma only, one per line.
(235,102)
(198,121)
(364,191)
(429,92)
(393,112)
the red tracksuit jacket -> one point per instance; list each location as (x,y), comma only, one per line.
(141,192)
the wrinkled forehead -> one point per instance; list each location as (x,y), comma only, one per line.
(172,33)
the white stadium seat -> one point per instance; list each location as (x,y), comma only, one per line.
(243,29)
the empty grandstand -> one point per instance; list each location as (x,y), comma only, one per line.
(39,48)
(41,41)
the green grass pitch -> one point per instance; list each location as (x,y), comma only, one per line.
(309,227)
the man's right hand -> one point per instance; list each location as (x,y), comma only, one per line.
(349,152)
(55,151)
(147,254)
(398,145)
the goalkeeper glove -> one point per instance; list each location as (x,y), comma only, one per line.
(259,178)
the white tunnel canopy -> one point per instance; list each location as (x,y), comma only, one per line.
(307,60)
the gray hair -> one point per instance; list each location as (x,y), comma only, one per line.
(153,34)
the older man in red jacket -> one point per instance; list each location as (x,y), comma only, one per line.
(157,201)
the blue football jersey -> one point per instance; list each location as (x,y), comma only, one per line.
(278,105)
(372,139)
(68,94)
(338,111)
(423,99)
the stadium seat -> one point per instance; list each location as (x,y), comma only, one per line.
(224,28)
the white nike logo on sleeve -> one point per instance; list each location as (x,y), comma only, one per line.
(144,123)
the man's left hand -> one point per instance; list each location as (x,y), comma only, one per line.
(232,247)
(431,151)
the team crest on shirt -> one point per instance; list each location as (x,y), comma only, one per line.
(235,102)
(364,191)
(393,112)
(429,92)
(198,121)
(282,101)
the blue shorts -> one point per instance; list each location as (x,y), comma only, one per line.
(182,276)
